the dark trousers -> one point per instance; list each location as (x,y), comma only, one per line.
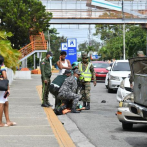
(54,90)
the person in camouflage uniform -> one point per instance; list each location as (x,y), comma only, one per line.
(87,70)
(68,91)
(45,77)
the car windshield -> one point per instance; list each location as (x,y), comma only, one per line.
(121,66)
(100,65)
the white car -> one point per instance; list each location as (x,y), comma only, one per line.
(125,116)
(123,90)
(119,70)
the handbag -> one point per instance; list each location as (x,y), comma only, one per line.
(4,84)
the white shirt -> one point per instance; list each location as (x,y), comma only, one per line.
(65,64)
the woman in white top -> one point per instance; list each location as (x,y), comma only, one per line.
(63,63)
(4,105)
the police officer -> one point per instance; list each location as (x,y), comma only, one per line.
(45,76)
(87,72)
(68,91)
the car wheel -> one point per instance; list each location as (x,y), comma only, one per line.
(109,89)
(127,126)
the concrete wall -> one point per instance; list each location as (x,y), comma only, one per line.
(10,75)
(22,75)
(18,75)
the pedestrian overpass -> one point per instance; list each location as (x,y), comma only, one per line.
(86,12)
(97,11)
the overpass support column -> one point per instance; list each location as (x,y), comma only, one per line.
(24,63)
(40,56)
(34,61)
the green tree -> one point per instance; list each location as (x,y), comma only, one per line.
(92,46)
(112,37)
(22,18)
(10,55)
(55,43)
(135,40)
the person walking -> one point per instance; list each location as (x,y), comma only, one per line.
(87,72)
(4,105)
(45,77)
(68,91)
(63,63)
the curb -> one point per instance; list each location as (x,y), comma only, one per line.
(61,135)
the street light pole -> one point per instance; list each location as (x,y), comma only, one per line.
(124,32)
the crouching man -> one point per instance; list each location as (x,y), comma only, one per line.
(68,90)
(57,83)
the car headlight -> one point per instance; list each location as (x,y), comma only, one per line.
(125,104)
(122,84)
(114,78)
(129,97)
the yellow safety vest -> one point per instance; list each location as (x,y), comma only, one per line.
(86,75)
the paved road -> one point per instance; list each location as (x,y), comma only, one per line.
(101,126)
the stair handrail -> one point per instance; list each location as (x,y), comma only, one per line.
(31,46)
(28,49)
(43,40)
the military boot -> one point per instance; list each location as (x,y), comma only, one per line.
(73,110)
(44,105)
(88,106)
(49,105)
(84,104)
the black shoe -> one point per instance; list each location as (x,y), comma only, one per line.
(73,110)
(84,104)
(49,105)
(88,106)
(44,105)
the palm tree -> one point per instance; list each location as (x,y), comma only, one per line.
(10,55)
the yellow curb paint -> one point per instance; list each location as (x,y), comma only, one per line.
(55,71)
(61,135)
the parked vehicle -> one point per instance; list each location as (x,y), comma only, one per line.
(125,116)
(139,74)
(123,89)
(120,70)
(100,69)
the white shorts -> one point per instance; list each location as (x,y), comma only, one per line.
(2,99)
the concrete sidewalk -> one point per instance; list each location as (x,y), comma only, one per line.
(33,129)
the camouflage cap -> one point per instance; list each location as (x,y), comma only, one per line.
(77,72)
(140,52)
(84,55)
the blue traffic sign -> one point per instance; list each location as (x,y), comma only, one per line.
(64,48)
(72,49)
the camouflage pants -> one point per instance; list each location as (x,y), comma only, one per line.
(64,96)
(85,92)
(45,91)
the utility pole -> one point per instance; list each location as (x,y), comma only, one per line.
(89,36)
(146,27)
(146,40)
(49,46)
(124,32)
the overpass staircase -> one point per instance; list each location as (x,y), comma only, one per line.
(37,44)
